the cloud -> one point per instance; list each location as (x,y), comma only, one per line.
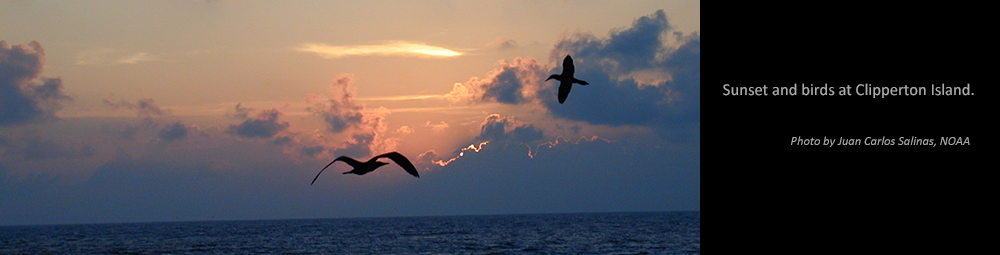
(144,108)
(612,176)
(108,56)
(404,130)
(365,130)
(137,58)
(502,44)
(312,151)
(642,75)
(22,99)
(241,113)
(369,138)
(637,47)
(510,83)
(426,158)
(440,127)
(402,98)
(266,124)
(392,48)
(339,110)
(616,66)
(173,132)
(499,129)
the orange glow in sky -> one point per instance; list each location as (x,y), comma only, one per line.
(401,48)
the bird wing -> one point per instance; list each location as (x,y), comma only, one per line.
(568,68)
(554,76)
(349,161)
(401,161)
(564,87)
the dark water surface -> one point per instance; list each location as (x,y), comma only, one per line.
(581,233)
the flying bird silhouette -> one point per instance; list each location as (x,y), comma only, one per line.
(566,79)
(362,168)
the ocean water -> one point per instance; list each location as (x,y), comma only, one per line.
(578,233)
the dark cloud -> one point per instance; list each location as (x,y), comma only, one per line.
(580,177)
(369,138)
(172,132)
(643,75)
(357,145)
(283,140)
(499,129)
(635,77)
(625,50)
(294,145)
(144,108)
(365,130)
(510,83)
(339,111)
(312,150)
(241,112)
(22,99)
(266,124)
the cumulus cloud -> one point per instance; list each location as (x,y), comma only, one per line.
(440,127)
(365,130)
(339,109)
(497,129)
(616,67)
(266,124)
(173,132)
(510,83)
(240,113)
(646,74)
(22,98)
(426,158)
(369,138)
(147,111)
(637,47)
(505,132)
(404,130)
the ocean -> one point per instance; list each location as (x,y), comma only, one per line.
(574,233)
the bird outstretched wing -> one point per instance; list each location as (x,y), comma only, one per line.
(401,161)
(348,160)
(564,87)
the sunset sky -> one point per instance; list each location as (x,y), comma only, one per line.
(133,111)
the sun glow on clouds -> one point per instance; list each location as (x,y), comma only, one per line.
(461,154)
(393,48)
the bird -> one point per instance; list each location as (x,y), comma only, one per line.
(362,168)
(566,79)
